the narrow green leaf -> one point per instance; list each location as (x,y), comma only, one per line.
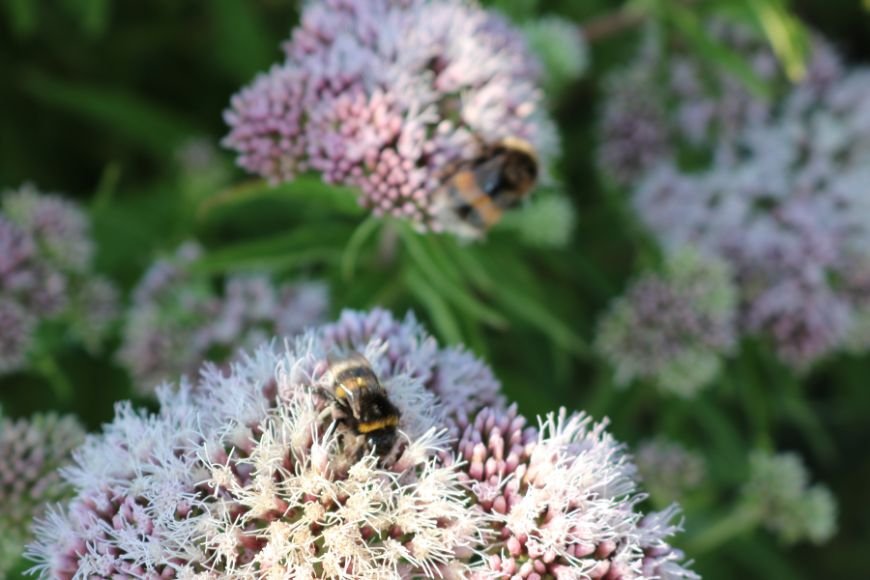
(454,291)
(686,20)
(107,187)
(147,125)
(436,247)
(785,33)
(285,262)
(307,188)
(537,315)
(302,245)
(439,311)
(360,236)
(467,260)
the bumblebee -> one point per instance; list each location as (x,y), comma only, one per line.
(362,403)
(477,192)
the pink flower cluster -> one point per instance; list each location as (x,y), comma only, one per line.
(561,501)
(387,96)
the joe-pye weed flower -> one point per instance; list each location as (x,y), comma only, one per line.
(672,328)
(47,274)
(178,319)
(247,475)
(31,452)
(387,97)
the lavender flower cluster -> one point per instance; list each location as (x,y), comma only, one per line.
(46,273)
(788,214)
(31,451)
(248,474)
(672,328)
(387,96)
(783,202)
(178,320)
(651,110)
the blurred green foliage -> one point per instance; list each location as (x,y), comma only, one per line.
(98,98)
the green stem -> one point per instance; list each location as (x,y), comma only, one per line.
(611,24)
(388,245)
(107,186)
(739,522)
(754,401)
(604,392)
(48,368)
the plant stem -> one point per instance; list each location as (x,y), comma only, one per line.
(740,521)
(608,25)
(388,245)
(52,373)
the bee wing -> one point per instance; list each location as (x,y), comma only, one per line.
(489,175)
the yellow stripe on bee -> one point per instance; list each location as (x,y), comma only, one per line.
(377,425)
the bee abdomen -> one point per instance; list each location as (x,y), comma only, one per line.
(377,425)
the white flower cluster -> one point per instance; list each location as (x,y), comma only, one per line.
(248,476)
(253,473)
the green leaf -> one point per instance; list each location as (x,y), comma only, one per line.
(467,260)
(305,188)
(93,15)
(107,187)
(761,558)
(537,315)
(518,10)
(722,433)
(301,246)
(242,45)
(786,34)
(147,125)
(23,16)
(686,20)
(439,311)
(438,277)
(436,246)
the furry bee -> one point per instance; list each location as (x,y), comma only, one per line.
(476,194)
(362,403)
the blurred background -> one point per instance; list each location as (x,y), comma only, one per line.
(119,106)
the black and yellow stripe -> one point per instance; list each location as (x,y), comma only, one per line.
(372,426)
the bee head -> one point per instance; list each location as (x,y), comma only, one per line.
(381,442)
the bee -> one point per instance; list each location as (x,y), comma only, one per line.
(477,193)
(362,403)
